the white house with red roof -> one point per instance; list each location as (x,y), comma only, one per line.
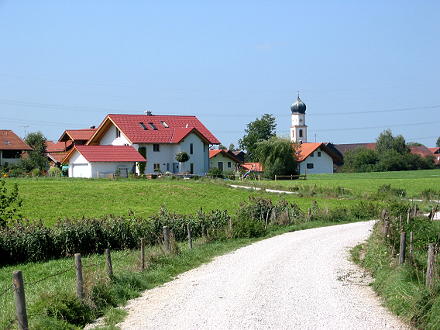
(313,158)
(224,160)
(162,136)
(11,147)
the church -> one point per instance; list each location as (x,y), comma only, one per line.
(313,158)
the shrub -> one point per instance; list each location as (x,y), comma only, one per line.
(10,203)
(35,172)
(215,172)
(247,228)
(55,172)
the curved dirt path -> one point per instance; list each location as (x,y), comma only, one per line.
(299,280)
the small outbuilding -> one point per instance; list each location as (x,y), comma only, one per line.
(102,161)
(224,160)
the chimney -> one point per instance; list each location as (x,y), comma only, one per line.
(92,127)
(148,112)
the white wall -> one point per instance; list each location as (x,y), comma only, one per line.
(298,123)
(323,164)
(109,138)
(225,160)
(167,155)
(79,167)
(104,169)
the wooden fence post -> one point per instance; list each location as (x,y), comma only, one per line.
(408,216)
(386,228)
(430,271)
(79,277)
(402,248)
(166,239)
(20,300)
(108,263)
(142,254)
(188,229)
(411,246)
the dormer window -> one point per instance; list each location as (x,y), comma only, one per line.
(164,124)
(143,126)
(153,126)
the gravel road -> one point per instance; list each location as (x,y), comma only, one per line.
(299,280)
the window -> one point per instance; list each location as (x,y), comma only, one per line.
(300,133)
(156,167)
(220,165)
(143,126)
(319,153)
(11,154)
(118,132)
(191,148)
(156,147)
(229,164)
(309,165)
(312,154)
(191,168)
(153,126)
(164,124)
(168,167)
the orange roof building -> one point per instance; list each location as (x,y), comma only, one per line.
(11,147)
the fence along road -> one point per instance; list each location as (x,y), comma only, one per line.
(296,280)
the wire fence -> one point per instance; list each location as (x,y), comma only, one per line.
(103,263)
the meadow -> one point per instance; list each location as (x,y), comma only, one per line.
(414,182)
(49,199)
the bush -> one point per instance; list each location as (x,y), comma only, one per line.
(55,172)
(215,172)
(10,204)
(248,229)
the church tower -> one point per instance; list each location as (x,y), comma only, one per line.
(298,130)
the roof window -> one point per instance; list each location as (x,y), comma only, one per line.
(152,126)
(164,124)
(143,126)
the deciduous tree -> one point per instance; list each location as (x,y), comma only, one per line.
(258,130)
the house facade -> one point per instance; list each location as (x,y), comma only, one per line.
(102,161)
(224,160)
(11,148)
(160,138)
(315,158)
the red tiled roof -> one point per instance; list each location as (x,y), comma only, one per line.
(343,148)
(420,150)
(226,153)
(107,154)
(57,146)
(435,150)
(169,129)
(256,167)
(305,149)
(77,134)
(57,156)
(10,141)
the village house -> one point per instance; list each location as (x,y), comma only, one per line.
(313,158)
(158,137)
(224,160)
(11,148)
(57,151)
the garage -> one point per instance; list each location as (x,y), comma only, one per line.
(80,170)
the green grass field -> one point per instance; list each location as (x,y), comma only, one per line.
(414,182)
(49,199)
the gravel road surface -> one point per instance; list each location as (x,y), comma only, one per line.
(299,280)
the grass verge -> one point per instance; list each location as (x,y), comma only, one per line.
(52,304)
(402,287)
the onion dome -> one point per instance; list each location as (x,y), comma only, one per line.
(298,106)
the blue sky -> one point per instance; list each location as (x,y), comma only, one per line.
(361,67)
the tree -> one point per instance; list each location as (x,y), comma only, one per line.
(10,203)
(182,157)
(360,160)
(438,142)
(258,130)
(232,147)
(222,147)
(142,165)
(37,156)
(277,157)
(386,142)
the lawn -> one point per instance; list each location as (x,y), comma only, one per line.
(414,182)
(49,199)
